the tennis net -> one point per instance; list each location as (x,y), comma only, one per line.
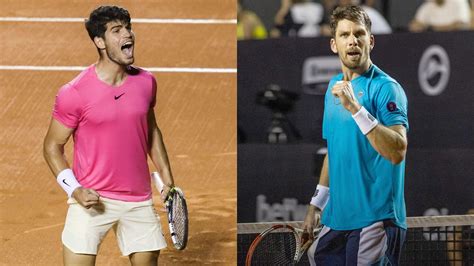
(430,240)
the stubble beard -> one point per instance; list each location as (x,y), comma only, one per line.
(115,57)
(354,65)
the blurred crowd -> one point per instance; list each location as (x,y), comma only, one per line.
(310,18)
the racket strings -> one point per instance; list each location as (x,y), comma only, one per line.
(276,248)
(179,218)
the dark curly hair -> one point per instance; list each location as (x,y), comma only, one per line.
(98,19)
(353,13)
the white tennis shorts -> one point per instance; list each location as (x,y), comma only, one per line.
(136,225)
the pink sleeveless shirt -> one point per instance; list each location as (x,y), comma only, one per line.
(111,132)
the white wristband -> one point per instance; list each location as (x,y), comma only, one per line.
(155,176)
(365,120)
(68,181)
(320,197)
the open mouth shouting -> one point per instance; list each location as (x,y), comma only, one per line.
(127,49)
(353,54)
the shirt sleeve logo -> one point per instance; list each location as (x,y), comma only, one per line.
(391,106)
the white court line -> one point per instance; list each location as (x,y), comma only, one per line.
(191,70)
(226,154)
(151,69)
(42,228)
(182,156)
(134,20)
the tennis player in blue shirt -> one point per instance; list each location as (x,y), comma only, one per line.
(365,124)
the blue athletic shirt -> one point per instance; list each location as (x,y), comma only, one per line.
(364,186)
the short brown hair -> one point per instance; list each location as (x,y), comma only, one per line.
(353,13)
(96,25)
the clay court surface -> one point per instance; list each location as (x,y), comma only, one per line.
(195,111)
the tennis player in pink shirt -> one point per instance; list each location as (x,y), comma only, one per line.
(108,109)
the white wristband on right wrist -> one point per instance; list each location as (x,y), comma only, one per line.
(320,197)
(365,120)
(67,181)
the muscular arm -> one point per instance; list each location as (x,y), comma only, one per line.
(53,146)
(53,152)
(390,142)
(324,176)
(157,150)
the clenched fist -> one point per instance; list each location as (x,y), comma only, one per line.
(344,92)
(86,197)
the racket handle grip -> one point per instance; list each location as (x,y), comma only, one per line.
(158,182)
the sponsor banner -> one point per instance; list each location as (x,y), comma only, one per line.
(276,182)
(316,73)
(434,69)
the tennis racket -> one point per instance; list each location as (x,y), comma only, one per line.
(281,244)
(177,213)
